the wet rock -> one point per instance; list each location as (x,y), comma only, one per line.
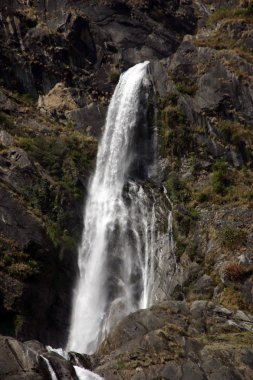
(31,360)
(62,368)
(81,360)
(15,362)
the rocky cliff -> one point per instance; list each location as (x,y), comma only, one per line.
(59,63)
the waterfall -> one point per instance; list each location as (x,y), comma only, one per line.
(84,374)
(117,254)
(58,351)
(50,369)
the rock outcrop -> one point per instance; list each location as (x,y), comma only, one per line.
(173,340)
(176,340)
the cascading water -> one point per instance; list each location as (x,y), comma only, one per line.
(84,374)
(50,369)
(120,248)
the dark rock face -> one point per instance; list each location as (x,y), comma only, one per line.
(28,361)
(37,307)
(82,36)
(15,363)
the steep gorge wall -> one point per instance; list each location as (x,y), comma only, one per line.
(70,61)
(67,56)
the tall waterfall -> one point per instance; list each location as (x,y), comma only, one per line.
(116,256)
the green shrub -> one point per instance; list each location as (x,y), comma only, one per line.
(114,76)
(184,220)
(40,195)
(249,10)
(17,263)
(53,152)
(174,133)
(172,116)
(227,13)
(54,232)
(249,195)
(191,249)
(177,189)
(19,321)
(219,178)
(202,197)
(180,247)
(26,98)
(23,270)
(231,237)
(189,89)
(60,237)
(121,364)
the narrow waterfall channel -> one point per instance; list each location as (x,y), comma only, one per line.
(50,369)
(119,252)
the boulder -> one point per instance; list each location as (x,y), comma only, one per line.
(175,340)
(15,361)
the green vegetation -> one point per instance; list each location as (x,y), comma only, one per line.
(220,180)
(249,195)
(59,236)
(177,189)
(238,135)
(231,237)
(114,76)
(231,297)
(19,321)
(59,155)
(230,13)
(51,188)
(50,201)
(6,123)
(121,364)
(191,250)
(186,88)
(185,83)
(17,263)
(184,222)
(26,98)
(175,134)
(202,197)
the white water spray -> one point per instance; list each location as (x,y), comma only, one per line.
(117,257)
(84,374)
(50,368)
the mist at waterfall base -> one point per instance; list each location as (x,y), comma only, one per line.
(119,254)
